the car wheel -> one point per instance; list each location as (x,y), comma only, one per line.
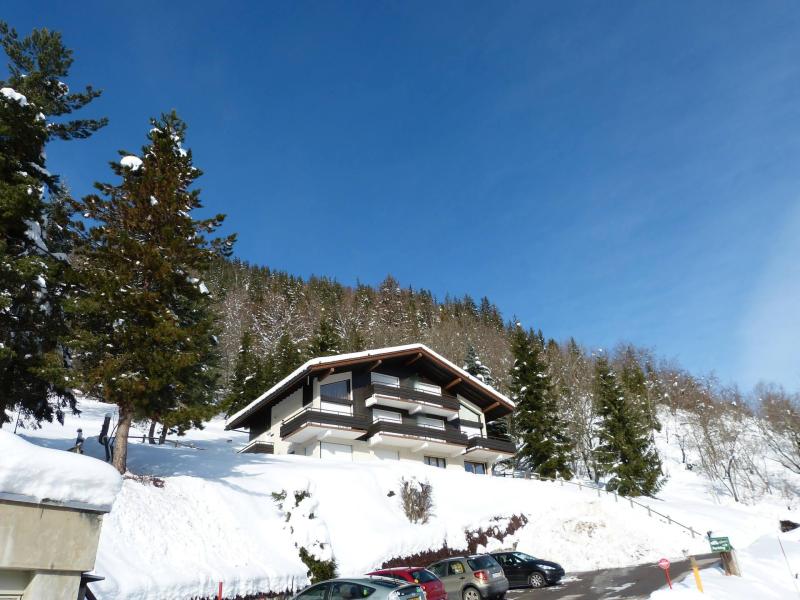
(471,593)
(537,580)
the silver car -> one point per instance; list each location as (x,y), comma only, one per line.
(478,577)
(374,588)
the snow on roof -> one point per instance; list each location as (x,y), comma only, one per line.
(30,473)
(316,362)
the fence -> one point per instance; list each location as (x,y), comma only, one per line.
(600,491)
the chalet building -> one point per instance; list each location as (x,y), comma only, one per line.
(400,403)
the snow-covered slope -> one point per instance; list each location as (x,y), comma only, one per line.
(215,518)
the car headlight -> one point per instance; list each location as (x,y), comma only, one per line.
(547,567)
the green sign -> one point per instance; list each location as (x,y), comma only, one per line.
(720,544)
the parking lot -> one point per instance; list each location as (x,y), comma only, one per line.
(618,584)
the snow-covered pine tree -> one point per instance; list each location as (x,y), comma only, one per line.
(625,450)
(34,375)
(536,422)
(251,377)
(475,367)
(326,340)
(145,328)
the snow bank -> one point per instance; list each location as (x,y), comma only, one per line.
(31,473)
(766,574)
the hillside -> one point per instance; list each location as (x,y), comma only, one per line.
(215,517)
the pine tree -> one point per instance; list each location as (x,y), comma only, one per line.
(326,340)
(473,365)
(285,358)
(625,450)
(34,374)
(144,320)
(537,424)
(251,377)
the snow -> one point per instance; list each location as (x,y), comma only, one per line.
(132,162)
(14,95)
(365,354)
(153,201)
(34,474)
(766,574)
(215,517)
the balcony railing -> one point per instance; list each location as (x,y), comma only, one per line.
(413,395)
(494,444)
(324,418)
(446,435)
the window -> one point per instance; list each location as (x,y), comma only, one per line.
(314,593)
(435,461)
(338,451)
(386,415)
(344,590)
(338,390)
(471,432)
(439,569)
(473,467)
(456,568)
(481,562)
(335,397)
(430,423)
(422,576)
(386,454)
(382,379)
(428,388)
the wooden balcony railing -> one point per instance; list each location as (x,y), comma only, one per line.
(446,435)
(413,395)
(494,444)
(325,418)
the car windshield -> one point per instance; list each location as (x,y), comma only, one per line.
(481,562)
(523,556)
(423,576)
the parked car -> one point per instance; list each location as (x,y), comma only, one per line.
(527,570)
(477,577)
(374,588)
(433,586)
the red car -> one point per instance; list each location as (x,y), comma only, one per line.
(433,586)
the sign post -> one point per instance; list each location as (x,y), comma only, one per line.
(664,565)
(723,546)
(696,571)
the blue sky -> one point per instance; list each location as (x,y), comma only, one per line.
(606,170)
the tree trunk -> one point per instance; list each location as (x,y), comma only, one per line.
(120,458)
(163,435)
(151,435)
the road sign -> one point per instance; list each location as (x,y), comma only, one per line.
(720,544)
(664,564)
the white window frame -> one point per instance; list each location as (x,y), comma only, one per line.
(430,422)
(383,379)
(387,416)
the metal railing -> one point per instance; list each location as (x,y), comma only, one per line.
(600,491)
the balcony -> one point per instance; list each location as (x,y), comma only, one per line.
(481,448)
(412,400)
(313,423)
(417,438)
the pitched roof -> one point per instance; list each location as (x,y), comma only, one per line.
(356,358)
